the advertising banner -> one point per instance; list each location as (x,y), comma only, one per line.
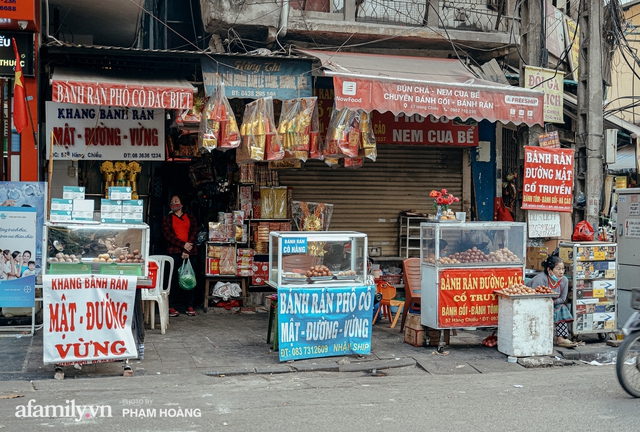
(18,293)
(88,318)
(258,77)
(390,128)
(548,179)
(543,224)
(8,57)
(506,104)
(88,132)
(466,298)
(27,195)
(17,240)
(551,82)
(324,322)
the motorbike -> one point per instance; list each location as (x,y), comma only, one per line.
(628,361)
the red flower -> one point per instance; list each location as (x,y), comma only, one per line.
(433,194)
(444,191)
(440,200)
(450,199)
(456,199)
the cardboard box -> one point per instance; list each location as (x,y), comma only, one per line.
(433,337)
(120,192)
(73,192)
(535,256)
(414,336)
(413,321)
(61,204)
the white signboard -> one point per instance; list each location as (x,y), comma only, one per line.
(90,132)
(88,318)
(544,224)
(632,228)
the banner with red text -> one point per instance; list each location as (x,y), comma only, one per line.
(87,318)
(390,128)
(548,179)
(88,132)
(466,298)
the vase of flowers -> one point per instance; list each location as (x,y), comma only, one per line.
(133,169)
(108,172)
(441,201)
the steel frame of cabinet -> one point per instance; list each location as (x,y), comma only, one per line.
(405,227)
(576,285)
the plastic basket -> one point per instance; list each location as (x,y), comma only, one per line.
(392,278)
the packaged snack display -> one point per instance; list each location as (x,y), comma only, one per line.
(260,142)
(350,135)
(309,216)
(190,118)
(298,124)
(273,202)
(218,128)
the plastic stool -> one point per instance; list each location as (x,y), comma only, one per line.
(273,321)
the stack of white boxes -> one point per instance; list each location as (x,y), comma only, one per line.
(120,208)
(72,207)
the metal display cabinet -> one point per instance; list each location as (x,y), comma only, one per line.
(462,263)
(96,248)
(293,253)
(593,270)
(628,238)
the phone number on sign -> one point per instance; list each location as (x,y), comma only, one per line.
(142,155)
(306,350)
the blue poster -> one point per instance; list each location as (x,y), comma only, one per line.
(324,322)
(252,78)
(18,292)
(27,194)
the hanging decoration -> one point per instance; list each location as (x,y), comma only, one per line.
(218,127)
(260,142)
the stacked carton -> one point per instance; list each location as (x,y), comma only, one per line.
(413,330)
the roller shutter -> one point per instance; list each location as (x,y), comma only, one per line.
(369,199)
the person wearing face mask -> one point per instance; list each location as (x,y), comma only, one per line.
(180,230)
(554,278)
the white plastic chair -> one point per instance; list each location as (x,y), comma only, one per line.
(159,293)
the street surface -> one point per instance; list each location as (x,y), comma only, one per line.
(571,398)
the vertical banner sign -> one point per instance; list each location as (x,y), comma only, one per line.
(548,179)
(466,298)
(24,195)
(572,38)
(87,318)
(324,322)
(551,82)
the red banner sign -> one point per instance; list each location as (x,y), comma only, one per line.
(506,104)
(548,179)
(407,129)
(466,298)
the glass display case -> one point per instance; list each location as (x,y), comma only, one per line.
(319,258)
(91,248)
(462,263)
(464,244)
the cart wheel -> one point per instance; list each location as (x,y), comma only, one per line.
(602,336)
(128,372)
(59,373)
(440,349)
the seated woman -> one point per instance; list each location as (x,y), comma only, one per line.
(554,278)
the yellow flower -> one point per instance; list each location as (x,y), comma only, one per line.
(121,166)
(106,167)
(134,167)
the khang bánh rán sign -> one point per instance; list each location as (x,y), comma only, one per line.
(466,298)
(548,179)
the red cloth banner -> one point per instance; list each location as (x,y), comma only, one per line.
(20,115)
(505,104)
(548,179)
(466,298)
